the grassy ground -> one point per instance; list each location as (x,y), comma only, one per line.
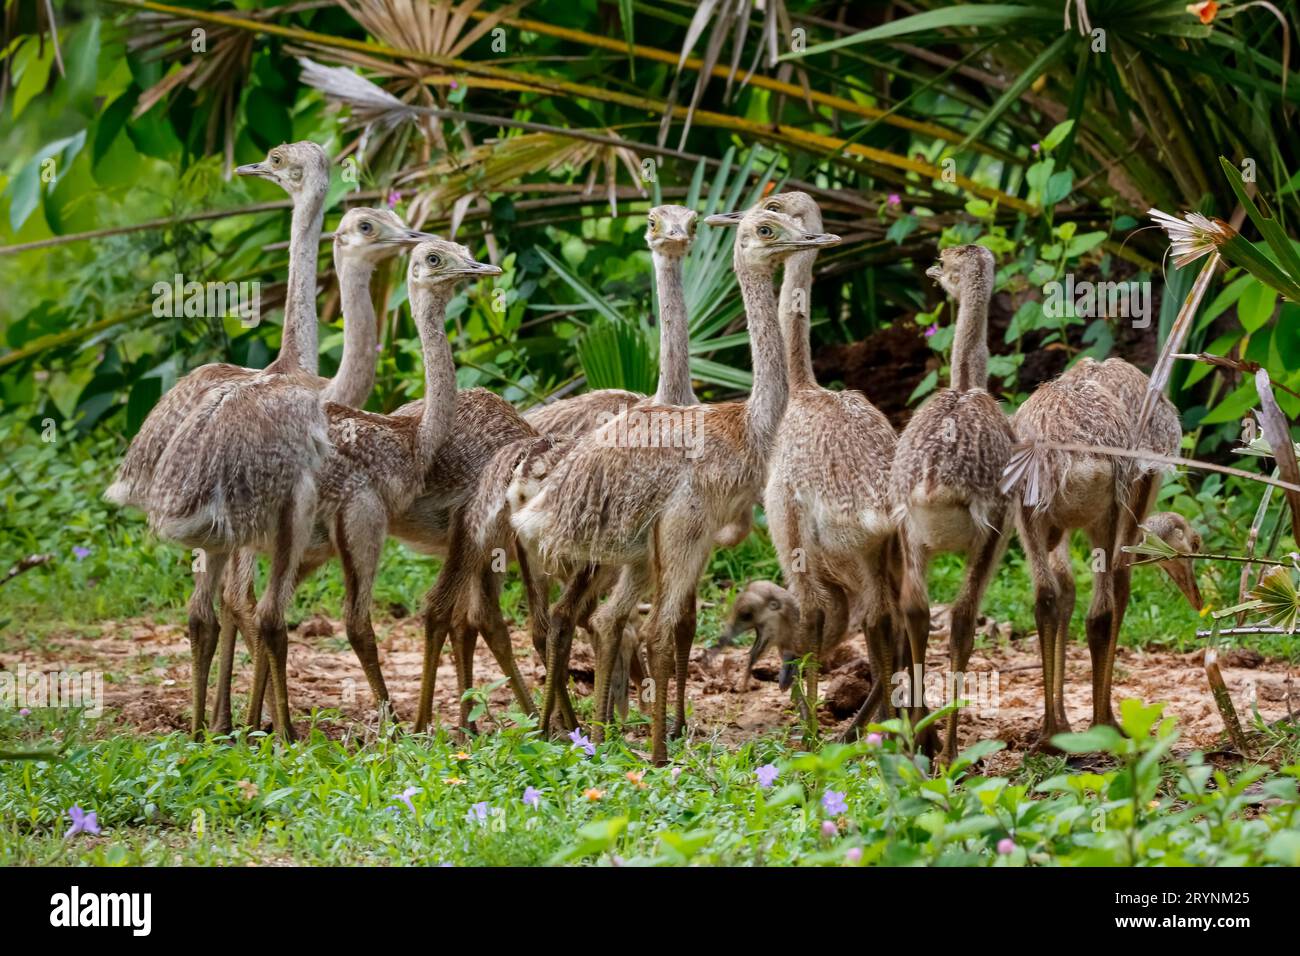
(347,795)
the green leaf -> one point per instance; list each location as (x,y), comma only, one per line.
(1057,135)
(1099,739)
(962,15)
(1256,305)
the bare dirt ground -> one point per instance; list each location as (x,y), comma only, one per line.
(146,667)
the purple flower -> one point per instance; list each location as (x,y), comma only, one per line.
(1006,845)
(829,830)
(853,855)
(580,740)
(932,329)
(675,773)
(80,552)
(833,802)
(478,813)
(23,711)
(894,199)
(406,795)
(1035,147)
(767,774)
(532,796)
(875,740)
(394,197)
(82,822)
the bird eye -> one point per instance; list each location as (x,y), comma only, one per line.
(433,259)
(767,232)
(654,223)
(276,159)
(366,227)
(773,204)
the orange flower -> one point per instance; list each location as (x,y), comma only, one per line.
(636,776)
(591,793)
(767,190)
(1207,10)
(453,781)
(460,755)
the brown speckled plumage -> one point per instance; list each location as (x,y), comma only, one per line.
(606,502)
(1092,403)
(946,472)
(827,492)
(302,169)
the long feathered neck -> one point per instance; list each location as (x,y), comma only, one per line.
(429,308)
(352,384)
(970,343)
(674,335)
(768,398)
(795,308)
(298,349)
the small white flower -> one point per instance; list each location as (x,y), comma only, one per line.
(1193,236)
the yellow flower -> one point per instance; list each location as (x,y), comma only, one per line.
(453,781)
(1207,609)
(591,793)
(460,755)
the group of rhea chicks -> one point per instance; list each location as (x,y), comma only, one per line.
(601,514)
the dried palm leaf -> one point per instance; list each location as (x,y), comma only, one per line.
(728,17)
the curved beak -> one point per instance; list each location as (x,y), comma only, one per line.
(786,677)
(724,218)
(409,238)
(813,240)
(1182,573)
(757,650)
(254,169)
(479,269)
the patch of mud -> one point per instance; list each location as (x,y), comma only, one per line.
(146,668)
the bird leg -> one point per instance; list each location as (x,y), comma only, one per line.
(493,627)
(1065,590)
(1101,618)
(981,563)
(237,601)
(359,539)
(1047,614)
(608,624)
(539,599)
(559,642)
(684,636)
(462,649)
(203,628)
(439,608)
(914,606)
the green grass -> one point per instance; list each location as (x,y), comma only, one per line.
(167,800)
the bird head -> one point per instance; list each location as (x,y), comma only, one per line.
(1177,532)
(766,238)
(296,168)
(799,206)
(670,230)
(437,262)
(375,234)
(962,267)
(770,611)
